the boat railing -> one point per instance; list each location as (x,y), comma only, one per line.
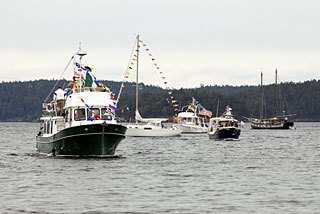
(90,89)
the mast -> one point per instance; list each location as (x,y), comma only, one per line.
(137,79)
(275,94)
(81,53)
(261,98)
(217,112)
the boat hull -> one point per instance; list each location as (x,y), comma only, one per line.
(190,129)
(228,133)
(85,140)
(150,131)
(285,125)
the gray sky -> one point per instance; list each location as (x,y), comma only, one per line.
(193,41)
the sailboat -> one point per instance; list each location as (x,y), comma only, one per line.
(80,121)
(147,127)
(275,122)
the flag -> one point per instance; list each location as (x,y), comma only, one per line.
(113,107)
(89,81)
(206,112)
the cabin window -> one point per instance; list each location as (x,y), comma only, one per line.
(45,127)
(70,115)
(94,114)
(48,127)
(51,127)
(67,116)
(79,114)
(106,114)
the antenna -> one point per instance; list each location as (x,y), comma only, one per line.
(80,52)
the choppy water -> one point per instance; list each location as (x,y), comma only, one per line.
(263,172)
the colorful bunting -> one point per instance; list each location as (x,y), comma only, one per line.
(113,107)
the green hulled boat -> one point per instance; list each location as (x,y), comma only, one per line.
(80,121)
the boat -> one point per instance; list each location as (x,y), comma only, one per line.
(147,127)
(192,118)
(275,122)
(225,126)
(80,121)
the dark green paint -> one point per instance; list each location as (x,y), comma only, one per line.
(85,140)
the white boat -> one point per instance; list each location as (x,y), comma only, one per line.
(225,126)
(151,127)
(189,120)
(147,127)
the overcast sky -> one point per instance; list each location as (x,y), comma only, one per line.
(194,41)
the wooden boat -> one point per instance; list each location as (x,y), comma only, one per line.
(275,122)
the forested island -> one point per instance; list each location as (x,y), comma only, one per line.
(22,101)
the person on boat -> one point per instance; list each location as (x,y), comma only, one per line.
(59,97)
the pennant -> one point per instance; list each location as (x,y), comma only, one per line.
(70,83)
(90,109)
(130,67)
(105,88)
(113,107)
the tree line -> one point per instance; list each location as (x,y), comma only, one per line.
(22,101)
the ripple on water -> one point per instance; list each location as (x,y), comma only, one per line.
(263,171)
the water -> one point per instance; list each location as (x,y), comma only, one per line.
(263,172)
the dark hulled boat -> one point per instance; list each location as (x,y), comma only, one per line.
(80,121)
(85,140)
(276,122)
(224,127)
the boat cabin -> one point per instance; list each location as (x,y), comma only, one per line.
(221,122)
(190,118)
(80,108)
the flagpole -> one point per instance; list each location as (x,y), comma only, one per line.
(137,78)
